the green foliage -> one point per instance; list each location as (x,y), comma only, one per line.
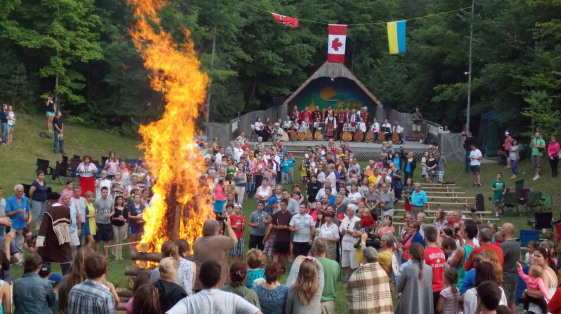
(251,58)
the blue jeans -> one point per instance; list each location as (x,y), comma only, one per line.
(60,143)
(468,162)
(5,132)
(514,166)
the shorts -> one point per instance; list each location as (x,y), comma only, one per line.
(394,279)
(50,113)
(498,201)
(104,233)
(39,209)
(138,229)
(474,168)
(300,248)
(74,240)
(537,161)
(11,126)
(416,128)
(348,259)
(281,248)
(327,307)
(256,242)
(510,292)
(237,249)
(439,176)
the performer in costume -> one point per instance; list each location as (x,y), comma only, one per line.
(341,118)
(294,114)
(365,116)
(287,125)
(330,125)
(399,130)
(375,128)
(327,112)
(317,114)
(304,125)
(306,115)
(387,129)
(361,126)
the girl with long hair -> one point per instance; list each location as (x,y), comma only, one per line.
(415,284)
(494,260)
(76,275)
(111,165)
(439,219)
(304,296)
(186,268)
(484,271)
(448,302)
(139,281)
(146,301)
(119,228)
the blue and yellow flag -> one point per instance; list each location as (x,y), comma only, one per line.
(396,37)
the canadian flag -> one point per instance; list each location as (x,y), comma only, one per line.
(336,43)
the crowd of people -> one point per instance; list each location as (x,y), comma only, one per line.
(332,125)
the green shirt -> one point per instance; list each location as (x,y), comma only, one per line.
(248,294)
(331,272)
(500,186)
(537,142)
(417,115)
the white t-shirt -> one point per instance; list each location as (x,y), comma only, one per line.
(302,222)
(470,300)
(331,177)
(375,127)
(348,240)
(329,232)
(354,196)
(237,154)
(475,153)
(213,301)
(102,183)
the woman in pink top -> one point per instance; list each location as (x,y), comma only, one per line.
(111,165)
(508,139)
(553,151)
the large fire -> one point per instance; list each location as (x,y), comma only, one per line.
(170,150)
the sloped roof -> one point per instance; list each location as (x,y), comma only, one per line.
(333,70)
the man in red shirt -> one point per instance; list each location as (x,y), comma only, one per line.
(435,258)
(485,238)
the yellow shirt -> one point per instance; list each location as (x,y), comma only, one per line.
(385,260)
(369,172)
(373,179)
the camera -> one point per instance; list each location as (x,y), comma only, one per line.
(373,240)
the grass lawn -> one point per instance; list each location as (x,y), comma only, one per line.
(18,166)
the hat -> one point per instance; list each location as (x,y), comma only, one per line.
(45,270)
(237,205)
(55,278)
(54,196)
(290,154)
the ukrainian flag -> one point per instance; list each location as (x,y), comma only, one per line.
(396,37)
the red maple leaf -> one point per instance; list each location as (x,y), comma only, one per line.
(336,44)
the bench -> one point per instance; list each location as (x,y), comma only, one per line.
(435,211)
(451,197)
(439,188)
(438,184)
(447,193)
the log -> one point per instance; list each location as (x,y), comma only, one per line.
(123,300)
(121,307)
(147,257)
(124,292)
(135,271)
(142,264)
(143,247)
(122,244)
(130,283)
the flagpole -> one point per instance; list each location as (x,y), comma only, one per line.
(470,59)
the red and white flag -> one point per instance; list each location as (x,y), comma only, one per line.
(286,20)
(336,43)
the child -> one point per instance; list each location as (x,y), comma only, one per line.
(89,226)
(548,245)
(304,169)
(254,270)
(449,247)
(367,220)
(532,246)
(469,278)
(55,280)
(499,239)
(534,283)
(448,302)
(285,168)
(45,271)
(230,211)
(238,224)
(291,162)
(499,188)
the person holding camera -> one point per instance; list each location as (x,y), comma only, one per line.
(538,148)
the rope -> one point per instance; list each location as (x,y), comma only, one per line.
(357,24)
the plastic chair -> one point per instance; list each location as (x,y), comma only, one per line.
(534,201)
(510,202)
(527,236)
(519,184)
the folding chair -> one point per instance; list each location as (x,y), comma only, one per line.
(543,221)
(43,165)
(547,200)
(103,159)
(556,236)
(510,202)
(534,201)
(73,165)
(527,236)
(519,184)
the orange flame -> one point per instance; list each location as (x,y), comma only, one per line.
(170,150)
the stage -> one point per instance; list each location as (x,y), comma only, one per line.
(364,151)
